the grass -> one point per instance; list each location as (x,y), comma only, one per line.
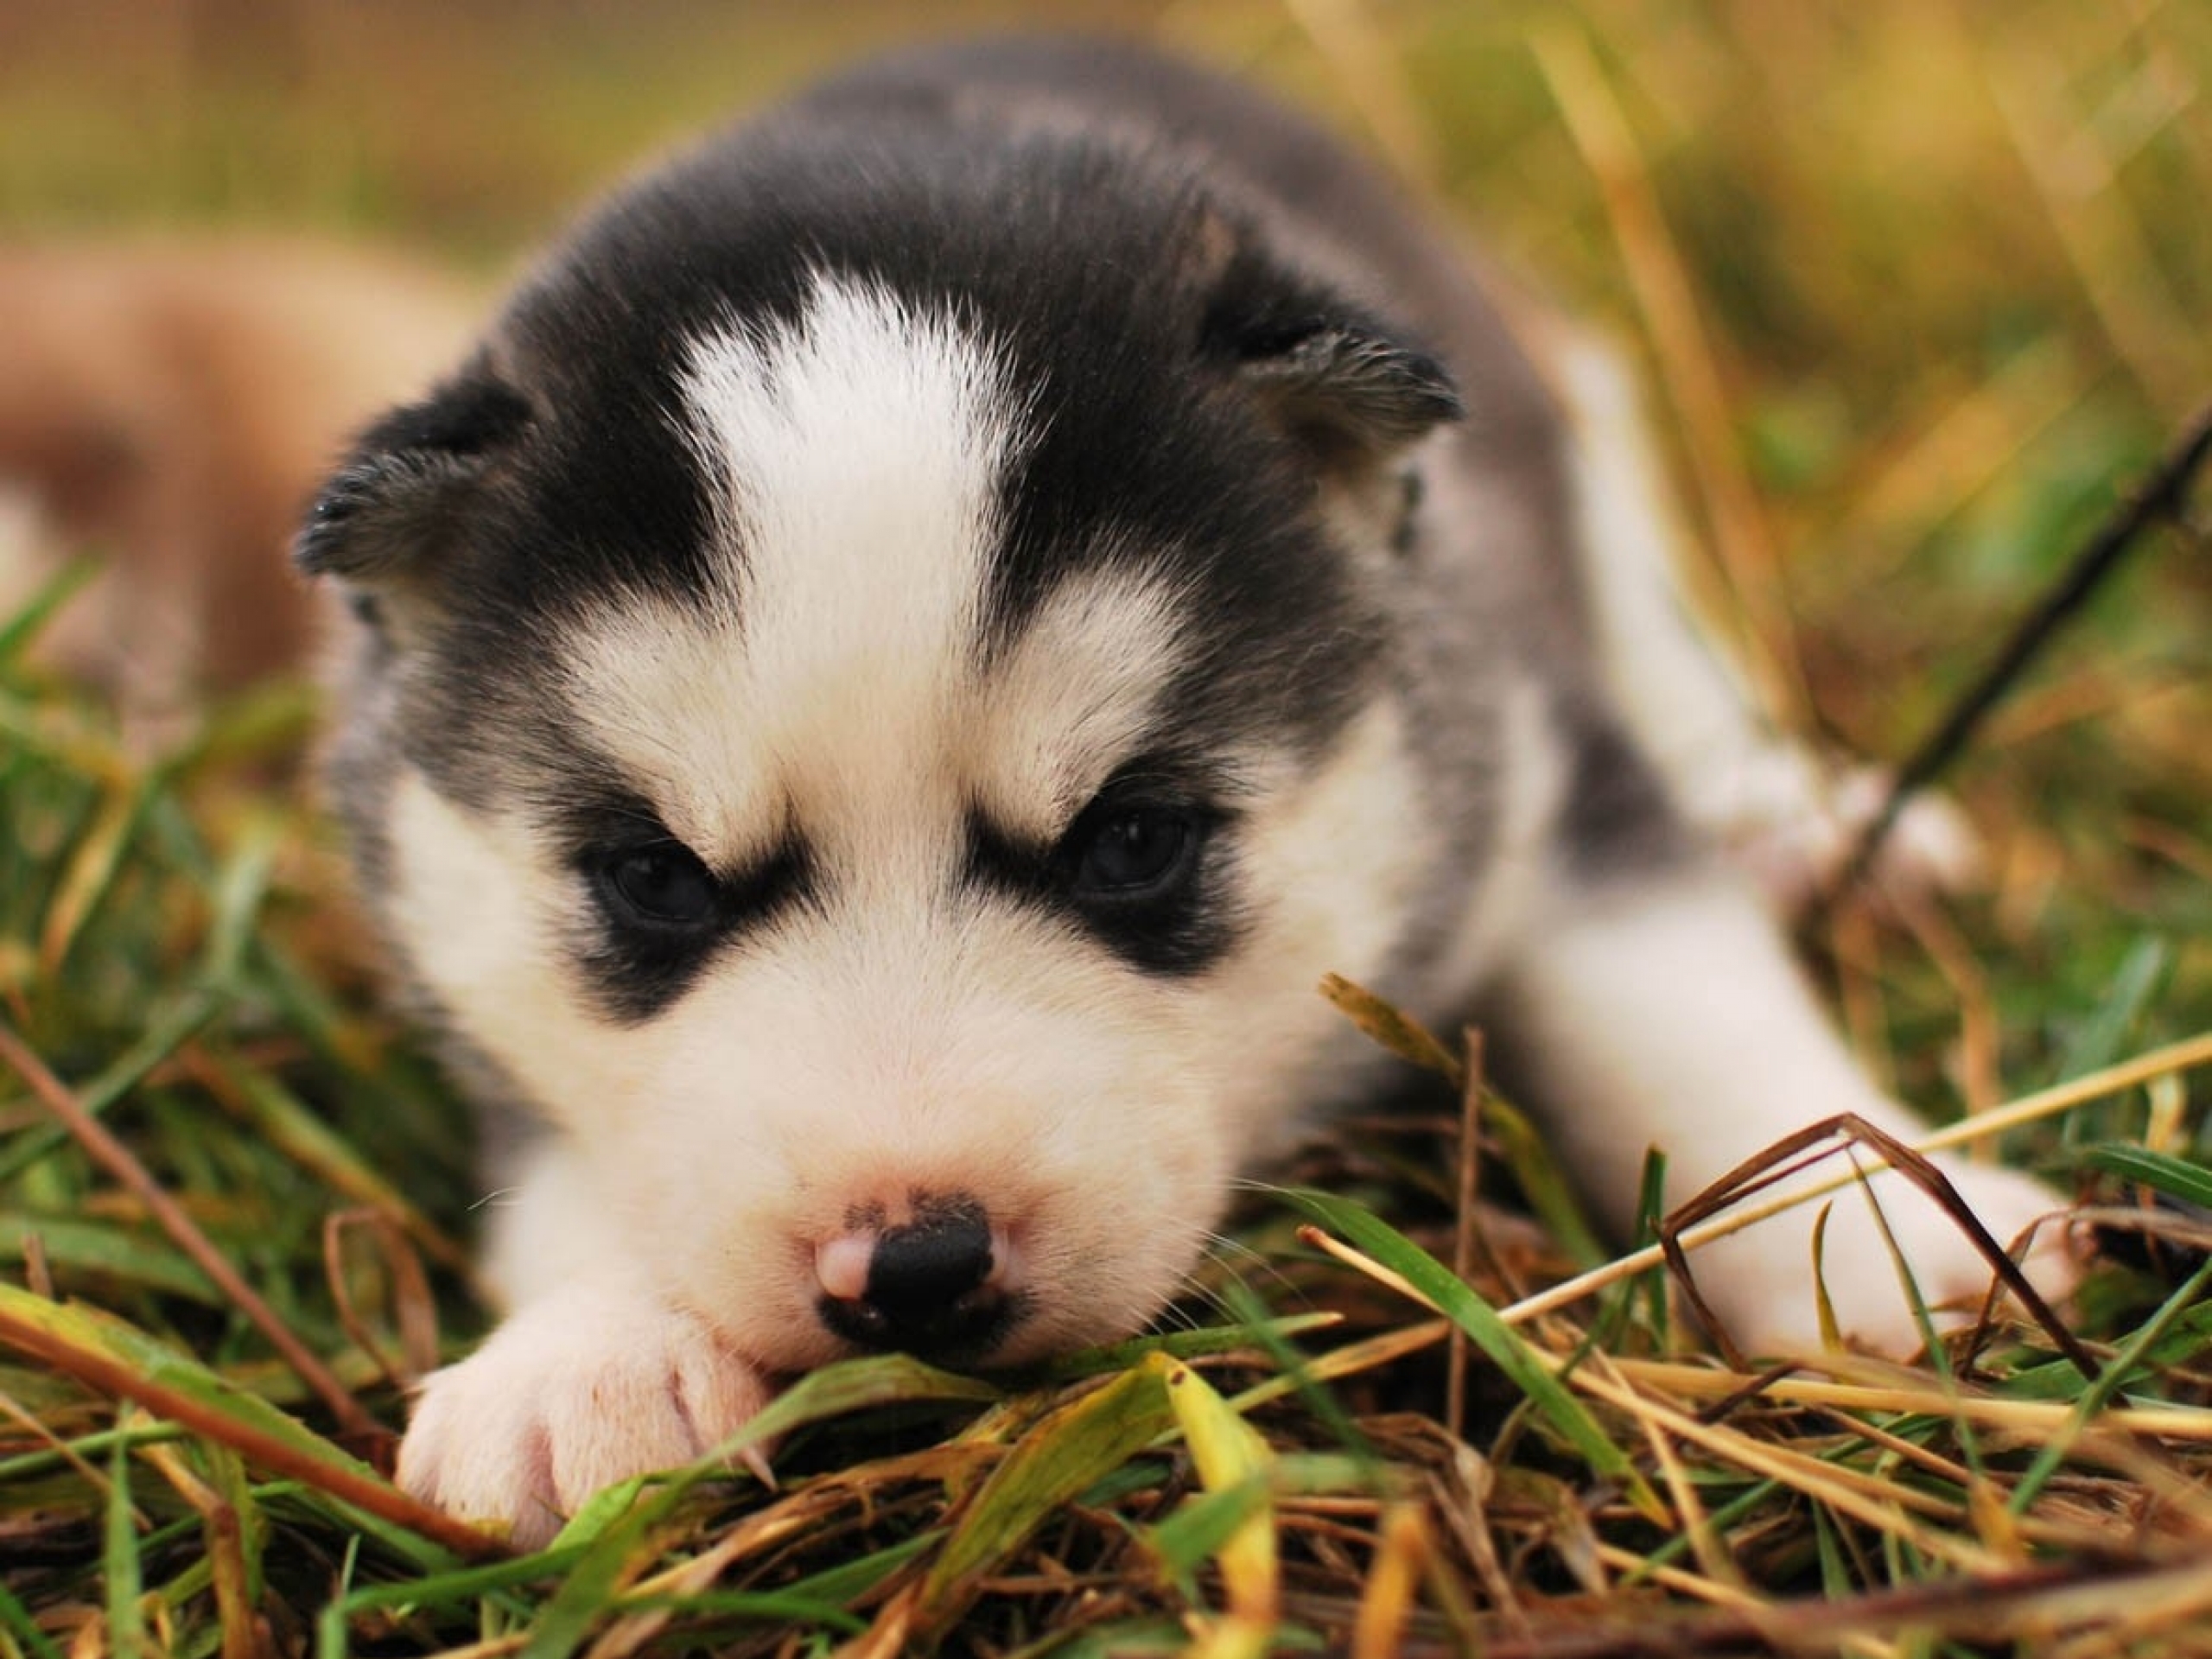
(1917,295)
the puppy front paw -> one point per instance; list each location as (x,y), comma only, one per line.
(569,1395)
(1789,822)
(1760,1281)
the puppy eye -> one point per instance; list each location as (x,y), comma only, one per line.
(1132,852)
(662,882)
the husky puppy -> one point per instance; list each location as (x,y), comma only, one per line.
(927,625)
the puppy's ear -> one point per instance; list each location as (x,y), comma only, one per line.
(387,517)
(1353,387)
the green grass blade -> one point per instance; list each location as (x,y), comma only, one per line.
(120,1568)
(15,1621)
(617,1526)
(1259,1330)
(2098,1393)
(443,1589)
(1201,1528)
(166,1031)
(2143,975)
(2177,1177)
(1507,1349)
(849,1580)
(107,1251)
(1063,1454)
(851,1385)
(1548,1191)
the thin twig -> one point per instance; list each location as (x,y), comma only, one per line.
(2162,498)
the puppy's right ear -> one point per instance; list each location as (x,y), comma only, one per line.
(386,517)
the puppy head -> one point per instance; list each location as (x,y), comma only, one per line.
(880,760)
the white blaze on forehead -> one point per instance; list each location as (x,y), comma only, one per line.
(854,460)
(838,682)
(862,452)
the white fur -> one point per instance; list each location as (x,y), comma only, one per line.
(1671,1016)
(1790,820)
(591,1384)
(1690,710)
(1330,854)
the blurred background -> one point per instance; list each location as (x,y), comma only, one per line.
(1918,285)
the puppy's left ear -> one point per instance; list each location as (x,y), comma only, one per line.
(1355,388)
(392,516)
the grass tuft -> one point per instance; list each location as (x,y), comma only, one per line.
(1920,298)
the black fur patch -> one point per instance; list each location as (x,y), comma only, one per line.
(1618,820)
(1176,934)
(407,479)
(631,968)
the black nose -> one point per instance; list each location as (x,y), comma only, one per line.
(919,1269)
(928,1288)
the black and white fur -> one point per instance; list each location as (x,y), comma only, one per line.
(926,627)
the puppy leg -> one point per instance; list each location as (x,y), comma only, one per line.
(593,1379)
(1667,1013)
(1788,816)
